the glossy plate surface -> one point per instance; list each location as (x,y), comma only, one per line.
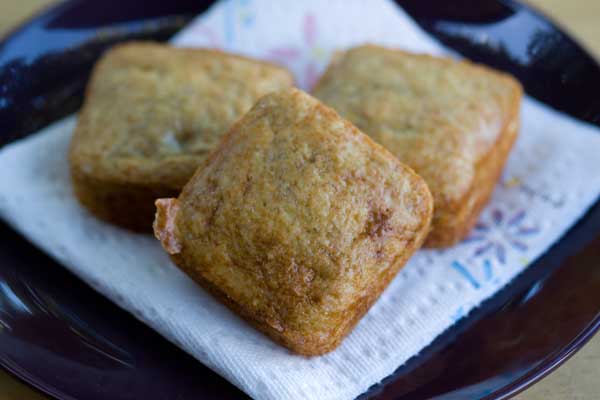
(68,341)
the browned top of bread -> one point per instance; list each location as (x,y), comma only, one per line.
(153,112)
(439,116)
(296,217)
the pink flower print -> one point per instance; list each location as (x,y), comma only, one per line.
(309,29)
(304,60)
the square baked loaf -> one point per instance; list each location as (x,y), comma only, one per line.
(453,122)
(151,115)
(297,221)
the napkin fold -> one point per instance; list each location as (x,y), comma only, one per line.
(551,179)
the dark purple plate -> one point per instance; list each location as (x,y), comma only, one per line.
(66,340)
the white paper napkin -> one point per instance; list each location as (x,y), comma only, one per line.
(551,179)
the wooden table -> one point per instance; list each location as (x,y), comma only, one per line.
(579,378)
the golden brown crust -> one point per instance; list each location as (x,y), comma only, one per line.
(452,121)
(127,205)
(151,115)
(297,221)
(460,217)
